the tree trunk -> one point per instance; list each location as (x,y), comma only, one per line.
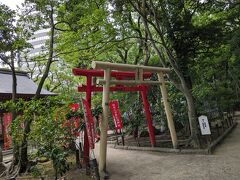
(192,118)
(14,113)
(50,58)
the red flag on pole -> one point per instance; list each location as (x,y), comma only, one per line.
(113,105)
(88,119)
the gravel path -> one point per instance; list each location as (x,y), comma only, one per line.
(224,164)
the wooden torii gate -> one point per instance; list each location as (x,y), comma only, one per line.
(139,80)
(120,75)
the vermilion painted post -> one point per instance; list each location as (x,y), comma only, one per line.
(88,98)
(148,117)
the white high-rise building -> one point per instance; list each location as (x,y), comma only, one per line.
(38,42)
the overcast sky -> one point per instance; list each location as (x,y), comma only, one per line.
(12,3)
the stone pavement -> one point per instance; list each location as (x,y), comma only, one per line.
(224,164)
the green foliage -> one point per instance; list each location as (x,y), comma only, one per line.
(96,111)
(12,40)
(59,158)
(72,114)
(35,172)
(48,132)
(6,27)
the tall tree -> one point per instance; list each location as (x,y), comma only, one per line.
(36,15)
(12,42)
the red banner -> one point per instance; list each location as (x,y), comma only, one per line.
(88,119)
(7,119)
(113,105)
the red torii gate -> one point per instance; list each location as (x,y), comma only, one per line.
(89,88)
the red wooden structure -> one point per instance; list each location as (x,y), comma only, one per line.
(90,87)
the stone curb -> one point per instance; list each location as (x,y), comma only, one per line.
(214,144)
(205,151)
(164,150)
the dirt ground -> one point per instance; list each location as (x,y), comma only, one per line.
(224,164)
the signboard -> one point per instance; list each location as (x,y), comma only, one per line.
(204,125)
(113,105)
(7,119)
(88,119)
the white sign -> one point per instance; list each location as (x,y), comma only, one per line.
(204,125)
